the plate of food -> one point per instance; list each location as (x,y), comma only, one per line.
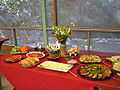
(73,52)
(114,59)
(35,54)
(95,71)
(29,62)
(14,58)
(20,50)
(116,67)
(90,59)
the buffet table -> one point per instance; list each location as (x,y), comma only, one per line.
(41,79)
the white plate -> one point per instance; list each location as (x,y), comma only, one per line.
(56,66)
(43,55)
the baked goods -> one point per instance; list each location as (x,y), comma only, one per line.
(73,51)
(95,71)
(29,62)
(114,59)
(14,58)
(90,59)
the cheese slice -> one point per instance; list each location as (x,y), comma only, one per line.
(56,66)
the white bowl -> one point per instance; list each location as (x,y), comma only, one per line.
(35,54)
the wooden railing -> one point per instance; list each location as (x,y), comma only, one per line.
(75,29)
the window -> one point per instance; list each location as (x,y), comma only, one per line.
(25,17)
(89,13)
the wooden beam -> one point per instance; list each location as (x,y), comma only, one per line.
(54,12)
(15,37)
(88,29)
(78,29)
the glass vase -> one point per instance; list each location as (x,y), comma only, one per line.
(62,46)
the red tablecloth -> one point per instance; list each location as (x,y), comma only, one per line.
(40,79)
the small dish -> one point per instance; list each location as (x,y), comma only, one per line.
(35,54)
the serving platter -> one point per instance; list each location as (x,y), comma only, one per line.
(29,62)
(114,59)
(56,66)
(95,71)
(116,67)
(35,54)
(16,50)
(14,58)
(90,58)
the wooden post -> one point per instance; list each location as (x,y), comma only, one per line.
(15,37)
(88,40)
(44,22)
(54,12)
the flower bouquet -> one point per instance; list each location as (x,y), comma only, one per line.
(62,33)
